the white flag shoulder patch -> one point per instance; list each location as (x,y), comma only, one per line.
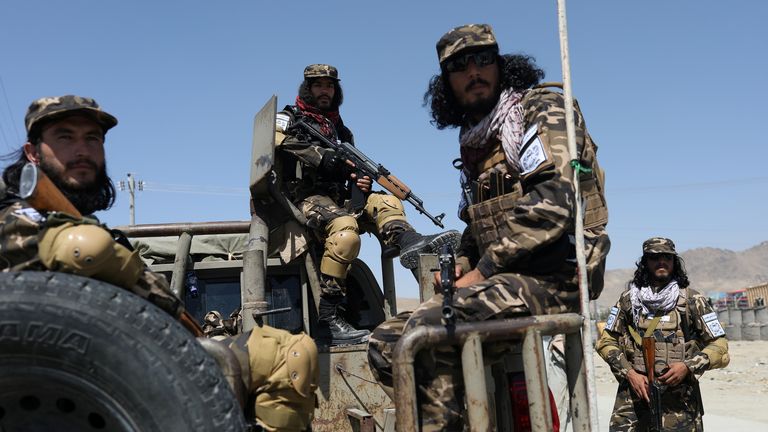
(532,156)
(281,122)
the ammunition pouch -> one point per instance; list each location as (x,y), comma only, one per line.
(488,219)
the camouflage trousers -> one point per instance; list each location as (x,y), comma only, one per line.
(439,382)
(681,410)
(382,216)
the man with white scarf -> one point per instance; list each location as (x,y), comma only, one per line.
(517,254)
(688,341)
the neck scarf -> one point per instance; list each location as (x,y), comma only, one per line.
(329,121)
(504,122)
(645,301)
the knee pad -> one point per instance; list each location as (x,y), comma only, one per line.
(89,250)
(341,246)
(384,208)
(301,359)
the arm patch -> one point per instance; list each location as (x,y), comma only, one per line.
(610,324)
(282,121)
(532,154)
(712,324)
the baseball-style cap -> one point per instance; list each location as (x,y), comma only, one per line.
(321,71)
(463,37)
(659,245)
(50,108)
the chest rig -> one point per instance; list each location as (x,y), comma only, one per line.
(669,332)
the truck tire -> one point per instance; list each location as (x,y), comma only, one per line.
(78,354)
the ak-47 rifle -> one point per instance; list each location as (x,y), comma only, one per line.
(654,389)
(447,281)
(364,166)
(39,191)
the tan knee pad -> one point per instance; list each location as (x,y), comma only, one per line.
(342,245)
(284,375)
(384,208)
(89,250)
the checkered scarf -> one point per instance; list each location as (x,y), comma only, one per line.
(645,301)
(504,122)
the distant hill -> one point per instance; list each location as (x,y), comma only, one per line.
(709,269)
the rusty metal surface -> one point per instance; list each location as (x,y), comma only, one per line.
(474,384)
(536,382)
(489,331)
(346,383)
(193,228)
(361,421)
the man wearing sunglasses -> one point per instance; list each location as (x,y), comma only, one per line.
(318,182)
(688,340)
(517,254)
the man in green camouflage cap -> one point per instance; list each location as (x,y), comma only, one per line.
(517,254)
(689,340)
(322,192)
(65,139)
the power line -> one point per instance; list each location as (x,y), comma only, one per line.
(10,111)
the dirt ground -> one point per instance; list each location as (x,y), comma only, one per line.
(735,398)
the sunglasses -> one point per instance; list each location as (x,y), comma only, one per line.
(481,58)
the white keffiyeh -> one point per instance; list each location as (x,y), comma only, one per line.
(645,301)
(505,123)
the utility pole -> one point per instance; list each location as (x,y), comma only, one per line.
(131,186)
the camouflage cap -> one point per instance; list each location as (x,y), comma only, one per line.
(49,108)
(321,71)
(659,245)
(463,37)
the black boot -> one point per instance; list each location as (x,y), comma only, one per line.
(333,326)
(412,244)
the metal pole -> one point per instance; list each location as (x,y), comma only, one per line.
(180,264)
(586,331)
(132,205)
(536,386)
(474,384)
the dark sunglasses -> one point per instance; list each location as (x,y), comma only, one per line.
(481,58)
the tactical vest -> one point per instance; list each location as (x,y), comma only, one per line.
(497,194)
(669,333)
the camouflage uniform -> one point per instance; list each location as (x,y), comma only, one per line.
(519,237)
(695,337)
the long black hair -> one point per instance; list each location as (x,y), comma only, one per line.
(306,95)
(642,276)
(517,71)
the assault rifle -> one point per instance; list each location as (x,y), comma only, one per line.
(447,281)
(364,166)
(654,389)
(42,194)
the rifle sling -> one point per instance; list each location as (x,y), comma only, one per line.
(649,331)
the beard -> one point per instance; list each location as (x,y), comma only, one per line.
(87,198)
(483,106)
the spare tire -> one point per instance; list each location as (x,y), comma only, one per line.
(78,354)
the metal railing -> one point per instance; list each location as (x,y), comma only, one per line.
(471,336)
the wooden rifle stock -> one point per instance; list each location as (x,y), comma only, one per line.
(39,191)
(649,358)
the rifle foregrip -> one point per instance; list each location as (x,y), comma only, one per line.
(48,197)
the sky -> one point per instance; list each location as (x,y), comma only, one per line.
(670,91)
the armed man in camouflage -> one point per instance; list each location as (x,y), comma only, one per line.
(517,255)
(65,138)
(321,190)
(688,341)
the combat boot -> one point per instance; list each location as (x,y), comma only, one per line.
(412,244)
(333,326)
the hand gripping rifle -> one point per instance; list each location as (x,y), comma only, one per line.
(39,192)
(447,281)
(364,166)
(649,357)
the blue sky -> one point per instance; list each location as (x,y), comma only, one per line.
(672,92)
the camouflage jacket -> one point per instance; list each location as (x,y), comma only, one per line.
(706,345)
(21,227)
(312,176)
(532,231)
